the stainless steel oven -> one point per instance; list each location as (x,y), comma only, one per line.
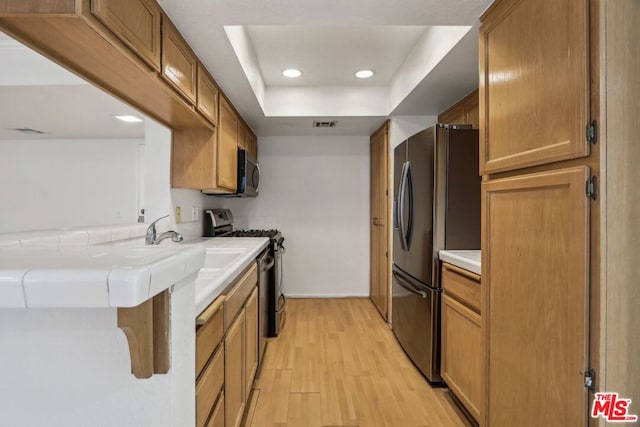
(277,301)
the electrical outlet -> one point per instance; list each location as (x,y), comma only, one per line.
(195,213)
(178,215)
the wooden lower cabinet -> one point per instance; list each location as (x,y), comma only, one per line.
(208,387)
(234,368)
(535,278)
(217,417)
(209,360)
(251,341)
(227,353)
(461,357)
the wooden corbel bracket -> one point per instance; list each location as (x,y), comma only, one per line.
(146,327)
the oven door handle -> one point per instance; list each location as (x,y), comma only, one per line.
(268,263)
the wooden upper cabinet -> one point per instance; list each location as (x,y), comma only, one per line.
(207,102)
(464,111)
(243,134)
(533,83)
(247,140)
(179,63)
(227,171)
(136,23)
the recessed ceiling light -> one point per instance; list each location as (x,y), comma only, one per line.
(128,118)
(292,73)
(364,74)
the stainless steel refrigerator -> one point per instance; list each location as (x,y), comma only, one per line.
(436,206)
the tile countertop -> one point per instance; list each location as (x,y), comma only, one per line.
(92,277)
(226,257)
(469,260)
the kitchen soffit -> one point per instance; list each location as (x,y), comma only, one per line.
(36,93)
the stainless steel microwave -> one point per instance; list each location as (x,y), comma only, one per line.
(248,175)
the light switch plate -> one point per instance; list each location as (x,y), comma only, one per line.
(178,215)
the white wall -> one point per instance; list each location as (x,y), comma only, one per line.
(316,191)
(62,183)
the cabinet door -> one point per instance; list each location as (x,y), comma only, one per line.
(234,398)
(217,416)
(462,353)
(243,135)
(379,287)
(179,63)
(533,83)
(208,387)
(227,146)
(251,344)
(252,145)
(136,23)
(207,102)
(534,272)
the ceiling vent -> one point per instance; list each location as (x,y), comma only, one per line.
(28,131)
(330,124)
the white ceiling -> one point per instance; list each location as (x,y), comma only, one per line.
(329,55)
(38,94)
(246,43)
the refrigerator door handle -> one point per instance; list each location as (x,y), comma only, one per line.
(409,229)
(405,284)
(401,193)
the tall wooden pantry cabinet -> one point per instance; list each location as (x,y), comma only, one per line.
(379,220)
(548,107)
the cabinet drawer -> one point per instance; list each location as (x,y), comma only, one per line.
(136,23)
(237,296)
(217,417)
(208,387)
(462,353)
(461,284)
(210,330)
(179,63)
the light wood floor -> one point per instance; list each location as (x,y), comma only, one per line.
(336,363)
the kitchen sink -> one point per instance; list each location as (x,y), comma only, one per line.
(217,258)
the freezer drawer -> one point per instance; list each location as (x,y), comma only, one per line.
(416,322)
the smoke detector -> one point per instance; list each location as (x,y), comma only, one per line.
(329,124)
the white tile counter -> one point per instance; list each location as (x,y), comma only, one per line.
(468,259)
(92,277)
(226,258)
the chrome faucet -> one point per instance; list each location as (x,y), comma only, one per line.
(153,239)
